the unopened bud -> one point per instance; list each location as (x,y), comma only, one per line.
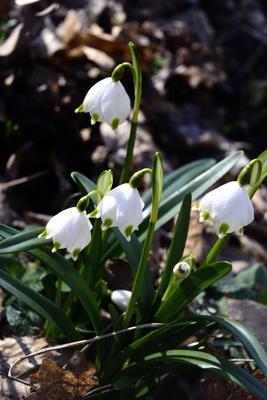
(181,270)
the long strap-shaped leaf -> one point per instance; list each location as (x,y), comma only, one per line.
(69,275)
(212,363)
(196,182)
(22,241)
(181,176)
(133,251)
(171,204)
(191,287)
(249,341)
(177,245)
(39,303)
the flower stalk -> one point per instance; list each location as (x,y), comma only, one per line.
(157,183)
(134,121)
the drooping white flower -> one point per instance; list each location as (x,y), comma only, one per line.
(22,3)
(228,207)
(70,229)
(107,101)
(121,298)
(122,207)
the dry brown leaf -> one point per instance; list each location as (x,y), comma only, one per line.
(215,387)
(99,57)
(71,383)
(208,74)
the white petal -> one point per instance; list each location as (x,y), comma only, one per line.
(130,207)
(70,229)
(121,298)
(108,208)
(25,2)
(57,223)
(92,100)
(79,233)
(228,204)
(115,103)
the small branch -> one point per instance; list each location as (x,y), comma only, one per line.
(80,343)
(15,379)
(20,181)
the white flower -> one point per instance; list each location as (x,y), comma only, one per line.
(70,229)
(228,207)
(122,207)
(107,101)
(121,298)
(25,2)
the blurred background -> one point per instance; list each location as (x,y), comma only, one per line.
(204,92)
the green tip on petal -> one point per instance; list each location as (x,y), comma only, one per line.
(128,230)
(115,123)
(108,223)
(240,231)
(204,216)
(56,247)
(75,254)
(223,229)
(80,109)
(94,118)
(43,234)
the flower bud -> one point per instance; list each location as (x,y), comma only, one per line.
(107,101)
(121,207)
(181,270)
(228,207)
(121,298)
(70,229)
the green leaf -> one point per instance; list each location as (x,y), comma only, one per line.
(22,241)
(180,177)
(74,280)
(69,275)
(177,245)
(249,341)
(38,303)
(195,180)
(133,250)
(171,205)
(12,265)
(191,287)
(85,185)
(157,185)
(172,359)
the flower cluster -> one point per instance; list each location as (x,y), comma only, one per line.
(71,228)
(228,207)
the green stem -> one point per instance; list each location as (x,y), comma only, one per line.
(138,93)
(51,330)
(215,250)
(58,293)
(118,71)
(93,255)
(139,274)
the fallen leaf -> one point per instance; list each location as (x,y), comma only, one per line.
(57,383)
